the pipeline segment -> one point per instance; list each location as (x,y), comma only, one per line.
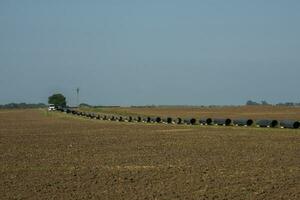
(225,122)
(267,123)
(243,122)
(192,121)
(290,124)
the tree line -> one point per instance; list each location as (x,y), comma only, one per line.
(265,103)
(22,105)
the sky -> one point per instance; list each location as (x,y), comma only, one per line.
(162,52)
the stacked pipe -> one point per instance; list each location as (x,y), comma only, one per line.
(293,124)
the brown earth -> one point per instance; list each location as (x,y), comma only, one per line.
(233,112)
(58,156)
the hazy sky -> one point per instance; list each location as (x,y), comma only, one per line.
(137,52)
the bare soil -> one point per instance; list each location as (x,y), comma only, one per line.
(58,156)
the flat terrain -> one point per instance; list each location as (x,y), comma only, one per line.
(233,112)
(58,156)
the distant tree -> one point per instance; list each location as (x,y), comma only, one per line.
(290,104)
(82,105)
(57,100)
(251,103)
(264,103)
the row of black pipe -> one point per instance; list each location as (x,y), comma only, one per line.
(191,121)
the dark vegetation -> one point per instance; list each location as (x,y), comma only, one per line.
(57,100)
(265,103)
(22,105)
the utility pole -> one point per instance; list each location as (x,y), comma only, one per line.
(77,92)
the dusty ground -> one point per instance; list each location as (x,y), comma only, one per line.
(56,156)
(247,112)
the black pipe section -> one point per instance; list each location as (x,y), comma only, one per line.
(191,121)
(290,124)
(164,120)
(149,120)
(186,121)
(263,123)
(222,122)
(121,119)
(139,119)
(157,119)
(179,120)
(169,120)
(209,121)
(267,123)
(130,119)
(243,122)
(112,118)
(274,123)
(152,119)
(202,121)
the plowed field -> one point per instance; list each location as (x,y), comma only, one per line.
(58,156)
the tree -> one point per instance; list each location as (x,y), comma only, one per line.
(57,100)
(252,103)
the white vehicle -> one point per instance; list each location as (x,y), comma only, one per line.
(51,107)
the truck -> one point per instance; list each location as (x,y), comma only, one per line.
(51,107)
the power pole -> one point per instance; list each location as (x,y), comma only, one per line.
(77,91)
